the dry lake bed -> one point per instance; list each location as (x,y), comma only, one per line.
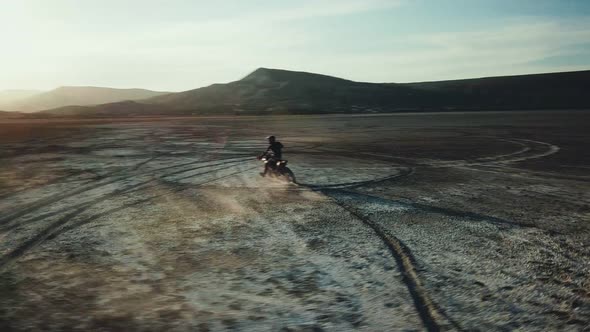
(409,222)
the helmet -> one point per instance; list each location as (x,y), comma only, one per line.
(270,137)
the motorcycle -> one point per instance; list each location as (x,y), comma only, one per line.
(277,168)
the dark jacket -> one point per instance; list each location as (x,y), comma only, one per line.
(276,149)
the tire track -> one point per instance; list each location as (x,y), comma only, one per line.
(23,210)
(58,227)
(530,174)
(24,247)
(550,149)
(520,155)
(433,318)
(525,148)
(115,192)
(431,209)
(403,173)
(112,177)
(57,180)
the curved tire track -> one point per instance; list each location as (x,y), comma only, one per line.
(124,190)
(433,318)
(59,226)
(31,207)
(349,185)
(530,150)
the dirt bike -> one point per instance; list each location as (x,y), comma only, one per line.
(277,168)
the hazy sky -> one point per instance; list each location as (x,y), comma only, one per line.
(183,44)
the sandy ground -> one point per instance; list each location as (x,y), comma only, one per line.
(403,222)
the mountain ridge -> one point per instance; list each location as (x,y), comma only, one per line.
(278,91)
(79,96)
(10,96)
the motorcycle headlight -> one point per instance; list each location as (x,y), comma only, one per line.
(278,163)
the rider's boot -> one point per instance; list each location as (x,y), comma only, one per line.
(263,173)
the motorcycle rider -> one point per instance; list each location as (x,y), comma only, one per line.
(277,153)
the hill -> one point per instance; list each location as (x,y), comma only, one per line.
(10,96)
(77,95)
(281,91)
(535,91)
(122,109)
(274,91)
(6,115)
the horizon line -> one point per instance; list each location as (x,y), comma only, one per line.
(288,70)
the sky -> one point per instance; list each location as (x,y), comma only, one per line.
(175,45)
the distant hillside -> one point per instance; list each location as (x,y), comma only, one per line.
(544,91)
(281,91)
(8,97)
(12,95)
(5,115)
(273,91)
(77,95)
(124,108)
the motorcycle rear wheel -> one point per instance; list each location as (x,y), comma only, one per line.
(289,175)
